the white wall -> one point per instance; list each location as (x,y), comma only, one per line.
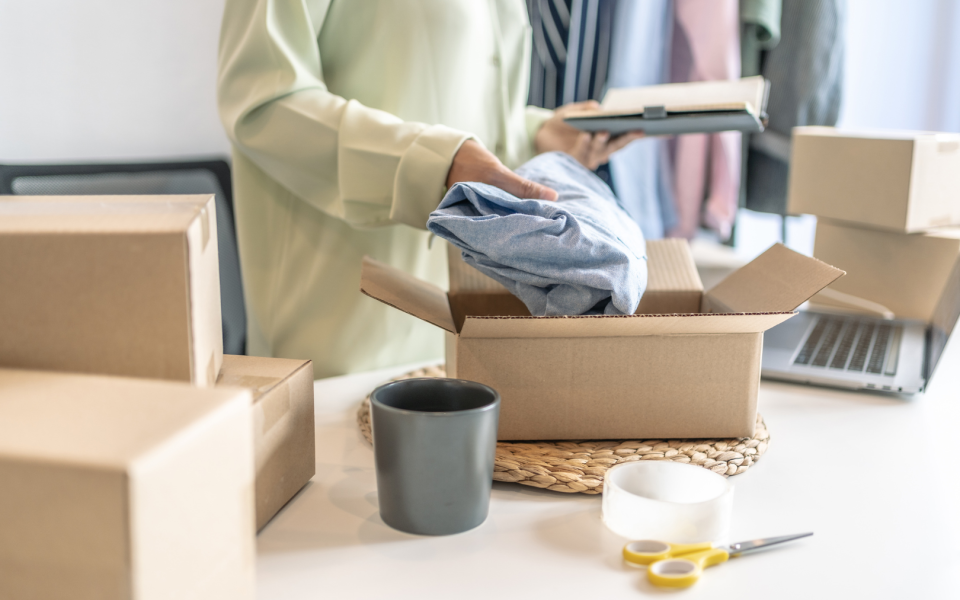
(85,80)
(902,65)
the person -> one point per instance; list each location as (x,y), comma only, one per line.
(349,119)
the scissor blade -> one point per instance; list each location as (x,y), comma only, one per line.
(749,546)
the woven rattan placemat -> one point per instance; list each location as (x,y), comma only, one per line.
(580,466)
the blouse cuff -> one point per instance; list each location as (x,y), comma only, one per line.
(422,174)
(535,118)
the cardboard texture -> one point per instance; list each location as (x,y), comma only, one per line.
(115,285)
(676,373)
(895,180)
(118,488)
(283,428)
(906,273)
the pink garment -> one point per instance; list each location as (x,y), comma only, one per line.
(706,47)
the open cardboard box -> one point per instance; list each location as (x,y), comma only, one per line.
(687,365)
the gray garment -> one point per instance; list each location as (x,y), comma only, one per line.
(759,31)
(639,56)
(571,50)
(579,255)
(806,78)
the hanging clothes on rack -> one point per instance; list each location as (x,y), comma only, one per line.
(805,71)
(571,53)
(571,50)
(640,56)
(706,47)
(759,31)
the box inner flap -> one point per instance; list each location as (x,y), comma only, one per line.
(776,281)
(670,267)
(464,278)
(673,286)
(487,304)
(620,326)
(407,293)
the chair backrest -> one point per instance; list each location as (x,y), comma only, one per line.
(188,177)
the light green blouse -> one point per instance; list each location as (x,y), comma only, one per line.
(345,116)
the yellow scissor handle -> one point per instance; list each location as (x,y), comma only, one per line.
(685,570)
(645,552)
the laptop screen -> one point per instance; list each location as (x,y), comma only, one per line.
(944,320)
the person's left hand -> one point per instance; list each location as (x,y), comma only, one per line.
(590,149)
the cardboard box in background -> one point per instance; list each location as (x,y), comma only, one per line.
(906,273)
(283,426)
(114,285)
(691,374)
(119,488)
(897,180)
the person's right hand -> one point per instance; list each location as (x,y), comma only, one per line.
(473,162)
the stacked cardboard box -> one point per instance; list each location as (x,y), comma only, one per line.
(115,285)
(128,287)
(888,210)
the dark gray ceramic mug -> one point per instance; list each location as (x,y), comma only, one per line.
(434,441)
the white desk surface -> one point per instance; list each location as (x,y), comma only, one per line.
(876,479)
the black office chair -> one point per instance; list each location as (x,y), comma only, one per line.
(189,177)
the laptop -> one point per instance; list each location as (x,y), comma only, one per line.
(856,352)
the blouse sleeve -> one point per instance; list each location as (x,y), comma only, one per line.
(362,165)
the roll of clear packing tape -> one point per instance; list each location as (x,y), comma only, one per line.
(667,501)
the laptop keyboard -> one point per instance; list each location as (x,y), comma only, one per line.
(851,345)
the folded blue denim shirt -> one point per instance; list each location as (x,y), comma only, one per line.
(581,254)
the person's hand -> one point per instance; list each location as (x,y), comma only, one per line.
(473,162)
(591,150)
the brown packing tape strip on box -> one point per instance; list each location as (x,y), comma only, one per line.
(572,467)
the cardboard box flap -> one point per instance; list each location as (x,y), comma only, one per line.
(778,280)
(671,267)
(407,293)
(620,326)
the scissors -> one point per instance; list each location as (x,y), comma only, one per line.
(680,565)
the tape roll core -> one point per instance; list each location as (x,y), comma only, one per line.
(668,501)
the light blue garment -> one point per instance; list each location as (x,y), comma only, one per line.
(639,56)
(579,255)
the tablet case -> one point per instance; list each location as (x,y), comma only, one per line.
(678,108)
